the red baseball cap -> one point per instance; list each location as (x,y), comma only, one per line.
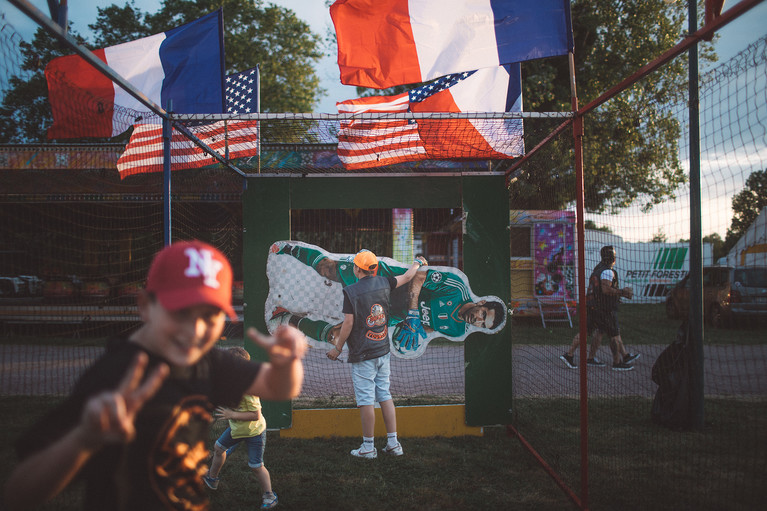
(189,273)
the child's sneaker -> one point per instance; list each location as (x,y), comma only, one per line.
(569,361)
(211,482)
(269,500)
(394,450)
(630,357)
(595,362)
(361,453)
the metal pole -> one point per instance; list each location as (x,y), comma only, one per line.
(582,331)
(258,109)
(167,131)
(696,250)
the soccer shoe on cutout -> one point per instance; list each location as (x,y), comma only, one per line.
(280,316)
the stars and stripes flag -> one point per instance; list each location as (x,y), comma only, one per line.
(144,152)
(365,143)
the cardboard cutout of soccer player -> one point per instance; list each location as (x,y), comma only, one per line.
(305,290)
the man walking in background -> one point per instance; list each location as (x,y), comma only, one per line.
(602,299)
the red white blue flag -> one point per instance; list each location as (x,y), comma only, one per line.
(184,66)
(384,43)
(365,143)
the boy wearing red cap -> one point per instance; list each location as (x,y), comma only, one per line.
(135,426)
(366,319)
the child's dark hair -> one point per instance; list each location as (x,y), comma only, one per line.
(240,352)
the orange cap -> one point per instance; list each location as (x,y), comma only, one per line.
(366,260)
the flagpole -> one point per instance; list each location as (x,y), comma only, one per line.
(258,110)
(223,80)
(166,137)
(696,377)
(582,332)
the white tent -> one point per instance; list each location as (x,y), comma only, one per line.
(751,248)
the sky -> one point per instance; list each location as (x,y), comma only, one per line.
(733,38)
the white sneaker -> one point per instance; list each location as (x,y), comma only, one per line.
(361,453)
(394,450)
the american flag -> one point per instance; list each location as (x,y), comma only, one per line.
(423,92)
(144,152)
(365,143)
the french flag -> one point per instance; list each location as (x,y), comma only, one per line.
(383,43)
(181,69)
(365,143)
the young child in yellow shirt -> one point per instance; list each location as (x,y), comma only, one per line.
(246,424)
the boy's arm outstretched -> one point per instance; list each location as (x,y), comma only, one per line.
(107,417)
(407,332)
(410,273)
(281,378)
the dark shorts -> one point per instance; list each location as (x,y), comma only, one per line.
(604,321)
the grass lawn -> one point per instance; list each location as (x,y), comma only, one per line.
(633,464)
(488,472)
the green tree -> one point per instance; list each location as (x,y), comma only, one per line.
(591,225)
(25,114)
(717,245)
(274,37)
(115,25)
(269,36)
(659,237)
(630,145)
(746,206)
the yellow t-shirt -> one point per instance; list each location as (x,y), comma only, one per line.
(247,429)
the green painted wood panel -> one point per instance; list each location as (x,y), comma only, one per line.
(266,217)
(267,205)
(486,262)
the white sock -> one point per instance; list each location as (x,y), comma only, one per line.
(391,439)
(367,443)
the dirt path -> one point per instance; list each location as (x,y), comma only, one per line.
(728,371)
(537,371)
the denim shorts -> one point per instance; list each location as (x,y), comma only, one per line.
(256,445)
(371,380)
